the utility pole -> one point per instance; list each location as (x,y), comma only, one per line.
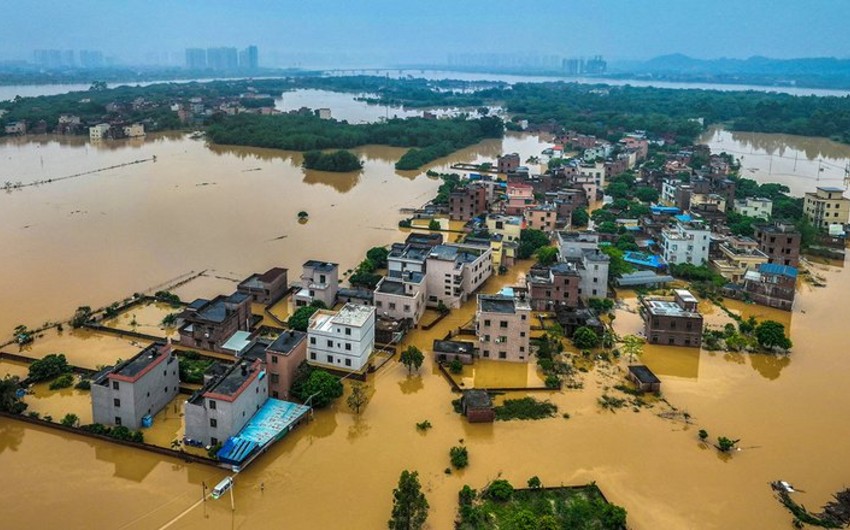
(232,501)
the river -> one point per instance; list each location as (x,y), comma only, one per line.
(100,237)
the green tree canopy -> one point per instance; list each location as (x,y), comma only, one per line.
(410,507)
(585,338)
(300,319)
(771,335)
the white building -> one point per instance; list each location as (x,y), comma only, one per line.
(453,272)
(595,171)
(687,242)
(324,113)
(99,131)
(754,207)
(341,340)
(134,131)
(668,191)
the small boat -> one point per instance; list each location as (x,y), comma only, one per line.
(781,485)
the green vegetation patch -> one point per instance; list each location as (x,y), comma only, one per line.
(526,408)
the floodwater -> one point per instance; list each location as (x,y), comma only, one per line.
(800,162)
(99,238)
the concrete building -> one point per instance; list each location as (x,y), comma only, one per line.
(477,406)
(553,287)
(780,242)
(754,207)
(503,325)
(265,288)
(573,244)
(686,242)
(595,171)
(519,197)
(672,321)
(141,386)
(542,217)
(643,379)
(772,285)
(283,356)
(827,206)
(467,202)
(508,163)
(593,268)
(136,130)
(342,340)
(99,131)
(509,227)
(707,201)
(196,58)
(210,323)
(740,254)
(224,405)
(18,127)
(401,298)
(319,282)
(455,271)
(324,113)
(446,351)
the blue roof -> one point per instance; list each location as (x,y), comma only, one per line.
(646,260)
(684,218)
(274,419)
(663,209)
(775,268)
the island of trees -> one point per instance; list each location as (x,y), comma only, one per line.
(339,161)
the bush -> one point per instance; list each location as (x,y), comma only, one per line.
(70,420)
(553,381)
(49,367)
(300,319)
(456,366)
(84,384)
(703,434)
(526,408)
(500,490)
(212,452)
(81,316)
(434,225)
(585,338)
(534,483)
(63,381)
(423,425)
(459,456)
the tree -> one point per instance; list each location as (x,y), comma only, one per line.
(601,305)
(410,507)
(456,366)
(434,225)
(81,316)
(535,483)
(459,456)
(632,346)
(321,388)
(300,319)
(579,217)
(378,256)
(48,367)
(725,444)
(771,335)
(412,358)
(617,265)
(530,240)
(646,194)
(442,308)
(703,434)
(547,255)
(358,398)
(9,401)
(585,338)
(500,490)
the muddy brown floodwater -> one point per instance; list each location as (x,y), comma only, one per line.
(198,208)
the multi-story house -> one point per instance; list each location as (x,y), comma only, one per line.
(283,357)
(503,326)
(135,130)
(520,197)
(208,324)
(508,163)
(342,340)
(401,298)
(407,259)
(739,255)
(226,403)
(553,287)
(673,321)
(319,282)
(141,386)
(825,207)
(99,131)
(467,202)
(772,285)
(455,271)
(507,226)
(542,217)
(754,207)
(686,242)
(781,243)
(265,288)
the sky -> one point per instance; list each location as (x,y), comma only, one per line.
(384,32)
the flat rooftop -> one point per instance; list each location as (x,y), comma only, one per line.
(286,341)
(216,309)
(496,303)
(391,286)
(453,346)
(233,379)
(139,362)
(456,253)
(349,315)
(670,308)
(321,266)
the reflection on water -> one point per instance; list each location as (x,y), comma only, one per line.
(11,435)
(672,360)
(799,162)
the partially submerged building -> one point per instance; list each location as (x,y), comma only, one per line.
(455,271)
(283,357)
(342,340)
(673,321)
(132,392)
(503,326)
(319,282)
(265,288)
(446,351)
(644,379)
(477,406)
(401,298)
(209,324)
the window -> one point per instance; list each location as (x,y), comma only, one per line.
(330,344)
(275,379)
(347,346)
(212,404)
(313,355)
(330,359)
(522,333)
(312,340)
(116,402)
(348,330)
(115,385)
(213,441)
(486,353)
(503,355)
(503,324)
(487,322)
(275,394)
(392,308)
(118,420)
(213,423)
(522,317)
(348,362)
(274,359)
(522,349)
(378,303)
(406,308)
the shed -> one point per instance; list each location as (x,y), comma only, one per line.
(477,406)
(644,379)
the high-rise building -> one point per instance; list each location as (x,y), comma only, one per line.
(249,58)
(196,58)
(91,59)
(222,59)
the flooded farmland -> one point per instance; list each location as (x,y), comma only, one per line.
(100,238)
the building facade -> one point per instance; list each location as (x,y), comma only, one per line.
(138,387)
(757,207)
(503,326)
(686,242)
(342,340)
(825,207)
(209,323)
(265,288)
(319,282)
(454,271)
(283,357)
(401,298)
(672,321)
(467,202)
(780,242)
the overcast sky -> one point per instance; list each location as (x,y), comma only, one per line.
(406,31)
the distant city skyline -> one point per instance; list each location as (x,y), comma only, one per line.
(384,32)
